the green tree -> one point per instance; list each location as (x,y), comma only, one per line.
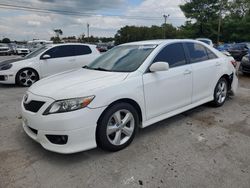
(134,33)
(55,39)
(6,40)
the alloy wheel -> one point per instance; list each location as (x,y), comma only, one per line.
(120,128)
(221,92)
(27,77)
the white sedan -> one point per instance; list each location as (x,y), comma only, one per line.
(133,85)
(46,61)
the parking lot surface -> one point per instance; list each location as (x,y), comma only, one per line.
(204,147)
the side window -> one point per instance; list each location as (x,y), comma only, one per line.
(197,52)
(173,54)
(82,50)
(61,51)
(210,54)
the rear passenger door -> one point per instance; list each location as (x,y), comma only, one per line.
(204,65)
(62,58)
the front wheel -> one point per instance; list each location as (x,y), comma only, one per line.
(220,92)
(117,127)
(26,77)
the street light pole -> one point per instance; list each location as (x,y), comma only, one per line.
(165,22)
(219,23)
(88,31)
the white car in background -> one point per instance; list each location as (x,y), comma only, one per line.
(206,41)
(22,50)
(132,85)
(46,61)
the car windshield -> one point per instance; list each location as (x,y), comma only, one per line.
(125,58)
(36,52)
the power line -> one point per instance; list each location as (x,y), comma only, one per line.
(74,13)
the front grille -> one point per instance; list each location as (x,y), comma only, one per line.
(2,78)
(33,106)
(24,51)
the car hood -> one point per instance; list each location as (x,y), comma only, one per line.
(11,61)
(75,83)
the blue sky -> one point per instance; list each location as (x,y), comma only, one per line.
(104,16)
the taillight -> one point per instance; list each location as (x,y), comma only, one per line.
(234,63)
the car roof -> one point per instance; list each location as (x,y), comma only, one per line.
(65,44)
(159,41)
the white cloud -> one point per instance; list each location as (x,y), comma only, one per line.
(28,25)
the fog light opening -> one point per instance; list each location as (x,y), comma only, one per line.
(58,139)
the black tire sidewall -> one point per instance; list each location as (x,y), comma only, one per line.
(101,136)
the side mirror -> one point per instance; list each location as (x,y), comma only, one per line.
(46,56)
(159,66)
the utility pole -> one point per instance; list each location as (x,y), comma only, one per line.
(219,23)
(88,31)
(165,22)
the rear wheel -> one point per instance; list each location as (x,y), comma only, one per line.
(117,127)
(220,92)
(26,77)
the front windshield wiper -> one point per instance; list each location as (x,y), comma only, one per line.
(98,68)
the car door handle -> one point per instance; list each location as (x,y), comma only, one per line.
(71,60)
(187,72)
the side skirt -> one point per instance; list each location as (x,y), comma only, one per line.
(175,112)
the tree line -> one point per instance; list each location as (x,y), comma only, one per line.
(219,20)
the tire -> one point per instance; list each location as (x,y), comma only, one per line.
(26,77)
(112,133)
(220,92)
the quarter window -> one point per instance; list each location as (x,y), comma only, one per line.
(82,50)
(173,54)
(197,52)
(210,54)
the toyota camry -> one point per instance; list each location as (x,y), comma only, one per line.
(132,86)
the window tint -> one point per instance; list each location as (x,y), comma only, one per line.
(197,52)
(173,54)
(210,54)
(82,50)
(61,51)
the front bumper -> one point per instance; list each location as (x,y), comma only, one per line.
(234,83)
(7,77)
(79,126)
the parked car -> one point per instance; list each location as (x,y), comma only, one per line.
(4,49)
(224,47)
(130,86)
(46,61)
(22,50)
(206,40)
(239,50)
(245,64)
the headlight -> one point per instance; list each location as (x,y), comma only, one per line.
(6,66)
(68,105)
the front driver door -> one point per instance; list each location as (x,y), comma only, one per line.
(169,90)
(62,58)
